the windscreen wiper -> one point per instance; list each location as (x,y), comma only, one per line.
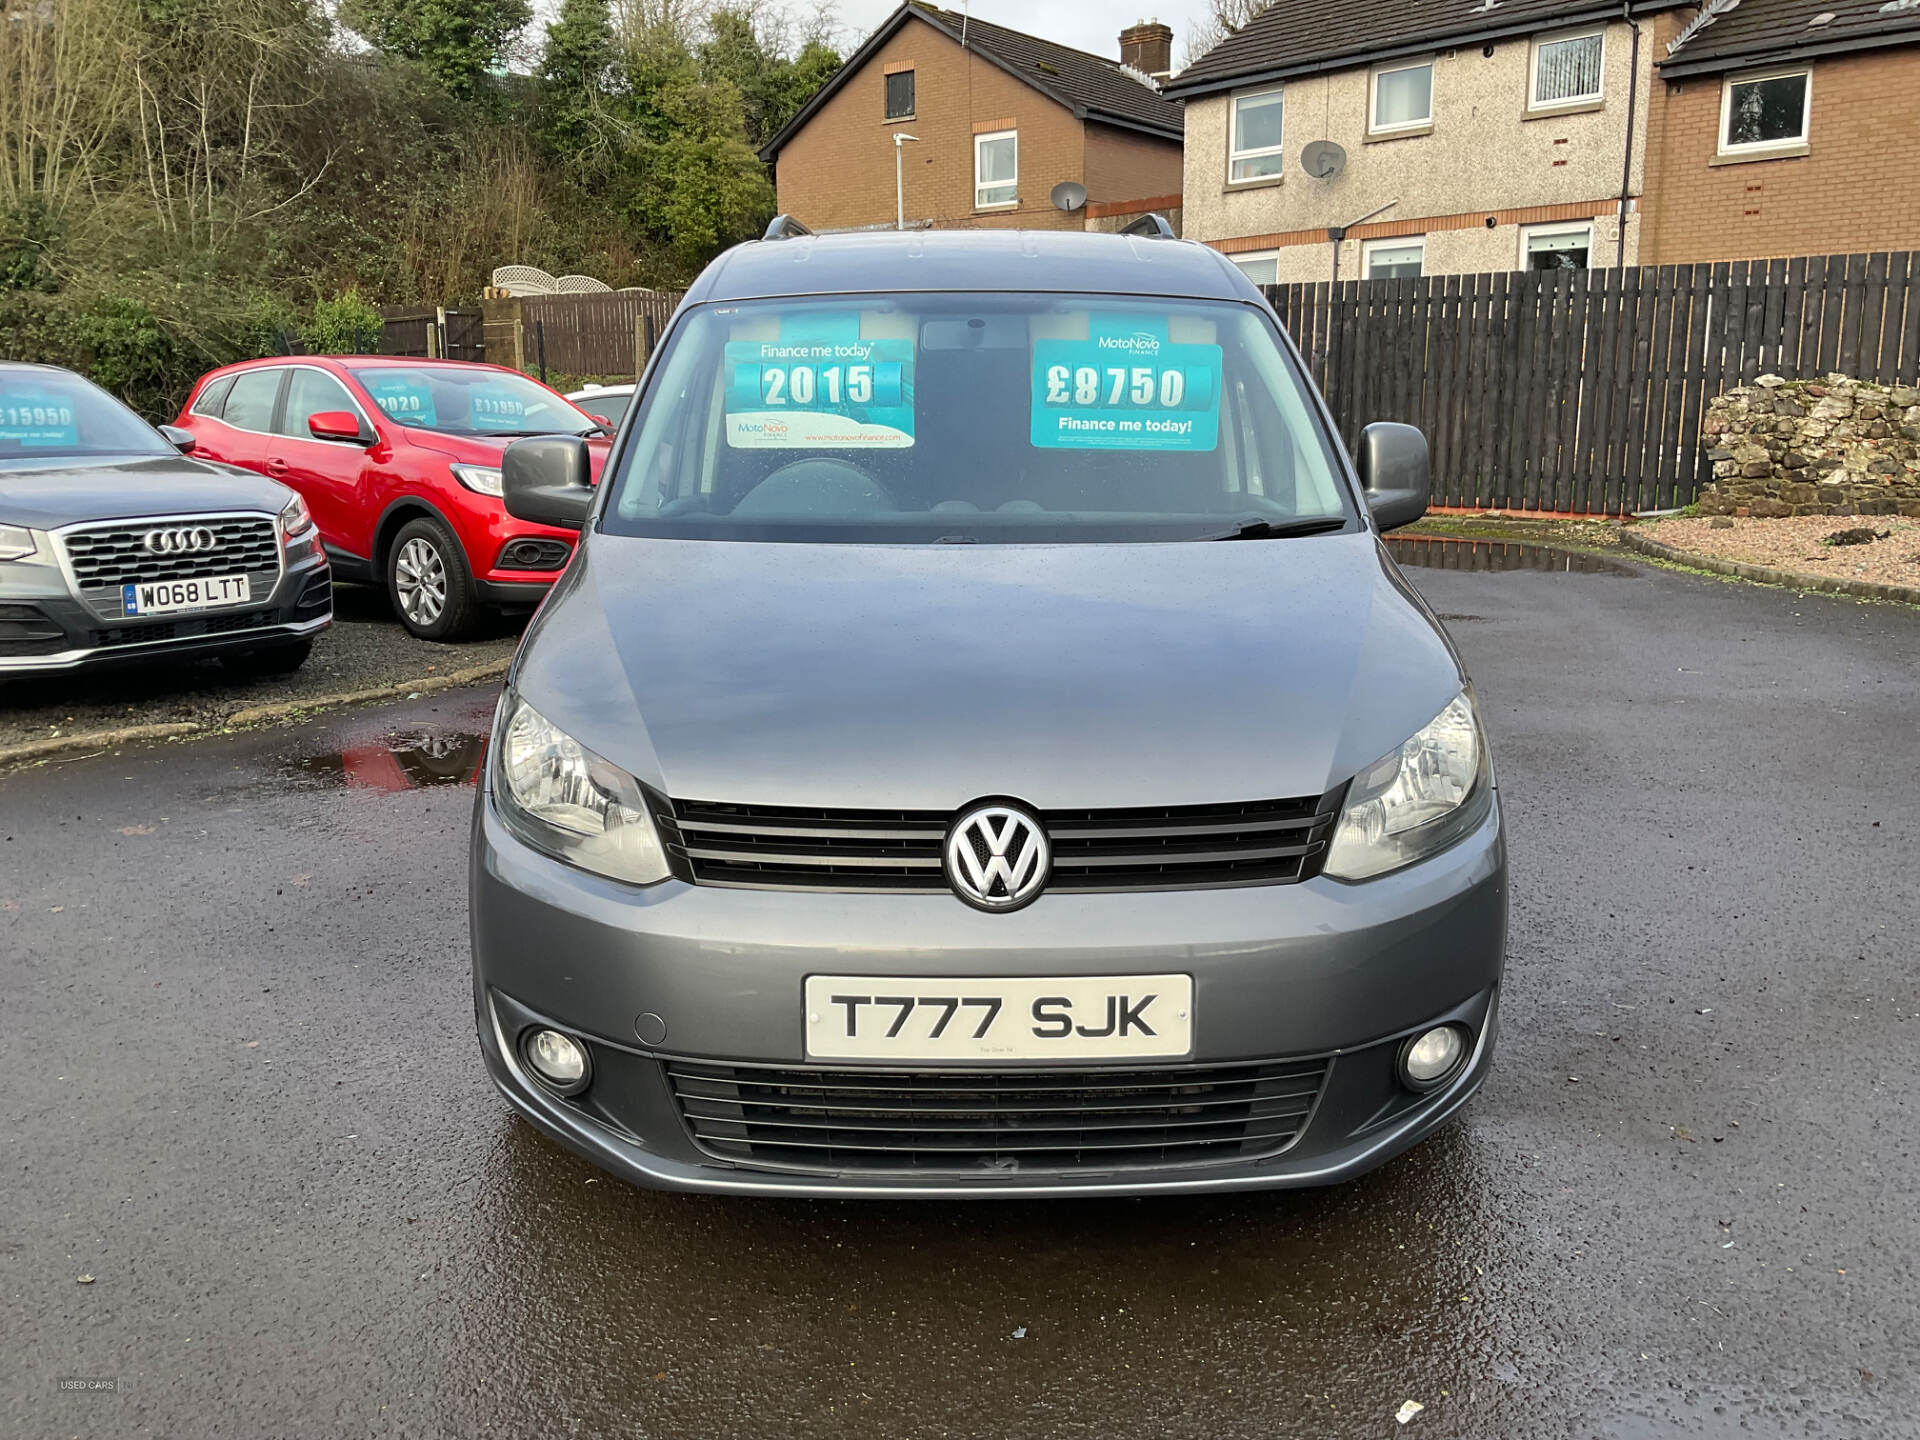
(1282,529)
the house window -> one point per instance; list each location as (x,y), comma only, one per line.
(900,95)
(1566,69)
(996,169)
(1261,268)
(1254,150)
(1402,98)
(1555,247)
(1393,259)
(1765,112)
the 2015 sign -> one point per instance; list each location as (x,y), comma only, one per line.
(801,384)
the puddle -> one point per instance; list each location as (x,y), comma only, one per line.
(404,760)
(1431,554)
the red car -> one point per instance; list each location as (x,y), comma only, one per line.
(399,461)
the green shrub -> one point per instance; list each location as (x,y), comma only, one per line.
(345,325)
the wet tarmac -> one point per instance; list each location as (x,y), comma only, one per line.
(245,1108)
(1435,553)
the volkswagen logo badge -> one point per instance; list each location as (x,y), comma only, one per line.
(997,856)
(189,540)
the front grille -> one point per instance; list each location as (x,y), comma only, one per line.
(994,1122)
(185,628)
(106,556)
(1184,847)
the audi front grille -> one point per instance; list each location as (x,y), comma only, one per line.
(1180,847)
(103,557)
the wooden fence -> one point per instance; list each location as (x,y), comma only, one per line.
(1583,390)
(610,334)
(433,331)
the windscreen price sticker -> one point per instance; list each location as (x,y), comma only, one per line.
(491,410)
(826,394)
(31,418)
(1133,392)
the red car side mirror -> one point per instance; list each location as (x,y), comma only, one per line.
(336,425)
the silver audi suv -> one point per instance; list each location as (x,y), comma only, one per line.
(117,545)
(983,747)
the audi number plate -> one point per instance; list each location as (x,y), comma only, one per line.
(1083,1017)
(159,597)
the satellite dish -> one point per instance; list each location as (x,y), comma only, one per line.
(1323,159)
(1068,195)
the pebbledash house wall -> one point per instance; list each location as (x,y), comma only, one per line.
(837,172)
(1856,189)
(1485,157)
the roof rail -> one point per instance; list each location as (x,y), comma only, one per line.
(784,227)
(1151,226)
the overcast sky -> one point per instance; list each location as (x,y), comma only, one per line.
(1093,25)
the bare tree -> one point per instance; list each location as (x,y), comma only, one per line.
(1221,19)
(63,67)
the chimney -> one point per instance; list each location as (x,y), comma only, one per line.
(1147,46)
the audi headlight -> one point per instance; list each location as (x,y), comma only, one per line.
(484,479)
(562,798)
(1417,800)
(295,520)
(17,542)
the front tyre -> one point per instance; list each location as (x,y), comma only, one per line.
(433,594)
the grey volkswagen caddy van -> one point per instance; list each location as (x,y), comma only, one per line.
(983,747)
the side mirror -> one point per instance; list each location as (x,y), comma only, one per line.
(181,440)
(1395,473)
(337,425)
(548,480)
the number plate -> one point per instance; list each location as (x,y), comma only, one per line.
(160,597)
(1085,1017)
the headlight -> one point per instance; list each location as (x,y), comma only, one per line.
(562,798)
(296,520)
(482,478)
(17,542)
(1420,799)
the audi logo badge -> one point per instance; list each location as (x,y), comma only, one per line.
(191,540)
(998,857)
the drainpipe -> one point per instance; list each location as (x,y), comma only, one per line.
(1626,160)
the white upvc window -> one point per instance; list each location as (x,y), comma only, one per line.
(1262,267)
(1556,247)
(996,170)
(1567,69)
(1257,127)
(1400,97)
(1397,259)
(1766,110)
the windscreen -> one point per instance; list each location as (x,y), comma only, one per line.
(958,417)
(51,415)
(610,408)
(460,401)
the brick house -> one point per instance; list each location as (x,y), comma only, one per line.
(1505,135)
(999,119)
(1786,127)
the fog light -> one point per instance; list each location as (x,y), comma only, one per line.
(1432,1058)
(558,1059)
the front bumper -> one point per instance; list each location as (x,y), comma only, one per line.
(44,627)
(1316,971)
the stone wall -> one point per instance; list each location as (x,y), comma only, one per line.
(1831,446)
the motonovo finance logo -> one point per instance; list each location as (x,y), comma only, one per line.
(1141,342)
